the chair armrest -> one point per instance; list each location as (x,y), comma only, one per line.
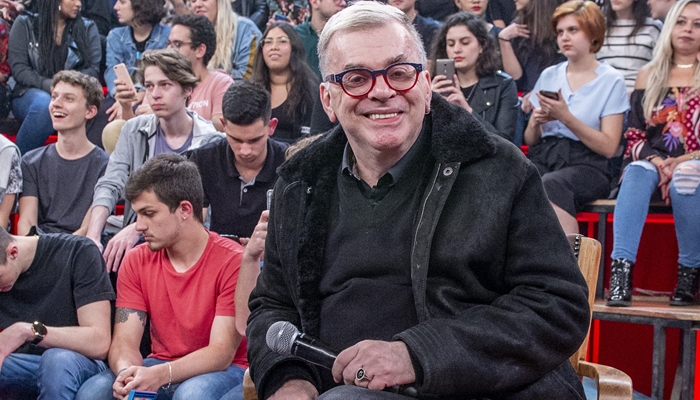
(612,383)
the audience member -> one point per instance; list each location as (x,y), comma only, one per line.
(257,10)
(183,280)
(281,68)
(59,179)
(40,45)
(357,225)
(236,38)
(501,12)
(630,37)
(436,9)
(142,31)
(662,156)
(97,11)
(479,8)
(659,8)
(238,172)
(576,127)
(426,27)
(295,11)
(477,86)
(169,81)
(528,46)
(54,315)
(321,10)
(194,37)
(10,179)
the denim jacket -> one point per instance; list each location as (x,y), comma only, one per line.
(25,62)
(122,49)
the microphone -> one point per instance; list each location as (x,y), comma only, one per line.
(284,338)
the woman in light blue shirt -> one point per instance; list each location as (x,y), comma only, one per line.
(580,106)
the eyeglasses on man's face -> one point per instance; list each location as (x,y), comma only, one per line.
(176,44)
(358,82)
(280,41)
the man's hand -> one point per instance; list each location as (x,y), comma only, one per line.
(115,111)
(386,364)
(14,336)
(296,389)
(255,245)
(119,245)
(140,378)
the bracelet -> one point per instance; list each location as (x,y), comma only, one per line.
(505,40)
(695,155)
(170,375)
(122,370)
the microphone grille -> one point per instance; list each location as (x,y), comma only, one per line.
(280,337)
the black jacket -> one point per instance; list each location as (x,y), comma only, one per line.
(495,104)
(497,291)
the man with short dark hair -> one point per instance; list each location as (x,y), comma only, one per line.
(169,81)
(194,37)
(321,10)
(238,172)
(426,27)
(54,315)
(59,179)
(183,279)
(418,246)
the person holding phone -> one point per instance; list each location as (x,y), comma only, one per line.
(572,136)
(476,85)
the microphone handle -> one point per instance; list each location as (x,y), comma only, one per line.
(313,351)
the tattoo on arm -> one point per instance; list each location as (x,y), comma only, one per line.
(122,315)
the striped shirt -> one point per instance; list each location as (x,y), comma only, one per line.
(629,54)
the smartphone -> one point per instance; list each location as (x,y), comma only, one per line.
(141,395)
(269,198)
(280,17)
(445,67)
(123,75)
(549,94)
(235,238)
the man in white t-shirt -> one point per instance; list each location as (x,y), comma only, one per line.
(194,37)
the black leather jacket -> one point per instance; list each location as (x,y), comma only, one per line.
(495,104)
(256,10)
(497,291)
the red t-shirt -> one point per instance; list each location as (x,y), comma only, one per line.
(182,306)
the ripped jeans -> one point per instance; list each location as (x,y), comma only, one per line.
(639,183)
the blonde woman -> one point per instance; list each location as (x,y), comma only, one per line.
(662,157)
(236,37)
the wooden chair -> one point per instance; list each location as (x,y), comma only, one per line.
(612,384)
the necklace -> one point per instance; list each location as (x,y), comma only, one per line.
(684,66)
(471,92)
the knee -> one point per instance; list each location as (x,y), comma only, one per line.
(97,387)
(686,178)
(192,388)
(57,359)
(641,167)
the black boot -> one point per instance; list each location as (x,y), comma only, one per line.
(620,283)
(686,287)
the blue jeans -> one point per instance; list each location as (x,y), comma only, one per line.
(210,386)
(639,183)
(57,374)
(33,109)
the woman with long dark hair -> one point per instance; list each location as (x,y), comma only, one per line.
(281,67)
(630,36)
(40,45)
(478,87)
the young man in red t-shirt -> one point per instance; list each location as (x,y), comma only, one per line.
(183,278)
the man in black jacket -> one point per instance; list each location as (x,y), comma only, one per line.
(420,247)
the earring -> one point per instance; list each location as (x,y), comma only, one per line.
(59,7)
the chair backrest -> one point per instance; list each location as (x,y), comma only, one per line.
(587,251)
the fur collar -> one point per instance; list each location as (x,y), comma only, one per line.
(456,136)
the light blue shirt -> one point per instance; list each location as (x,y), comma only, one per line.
(605,95)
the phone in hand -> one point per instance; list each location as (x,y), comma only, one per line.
(280,18)
(549,94)
(141,395)
(123,75)
(445,67)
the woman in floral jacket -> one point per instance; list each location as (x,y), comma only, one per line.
(662,157)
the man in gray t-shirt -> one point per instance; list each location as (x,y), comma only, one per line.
(59,179)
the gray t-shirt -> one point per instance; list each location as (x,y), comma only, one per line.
(64,187)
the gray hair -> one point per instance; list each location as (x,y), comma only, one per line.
(364,15)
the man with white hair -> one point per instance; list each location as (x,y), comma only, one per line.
(418,246)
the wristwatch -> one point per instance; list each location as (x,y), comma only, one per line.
(39,332)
